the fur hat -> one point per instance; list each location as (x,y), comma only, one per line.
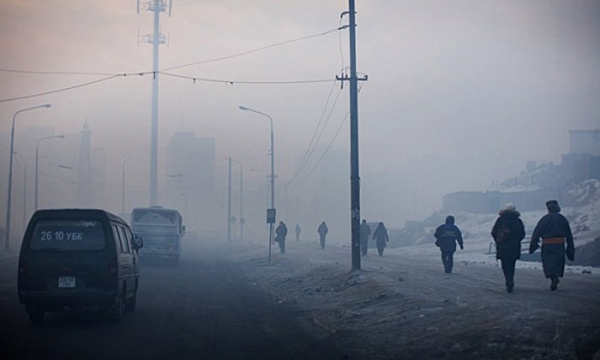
(552,206)
(510,207)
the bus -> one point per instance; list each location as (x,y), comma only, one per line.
(161,229)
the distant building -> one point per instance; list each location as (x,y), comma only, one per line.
(539,182)
(584,142)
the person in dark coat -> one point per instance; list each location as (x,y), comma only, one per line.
(508,231)
(447,235)
(298,230)
(555,231)
(280,234)
(322,230)
(381,238)
(365,231)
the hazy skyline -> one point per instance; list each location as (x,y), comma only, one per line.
(485,85)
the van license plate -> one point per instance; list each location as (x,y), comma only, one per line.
(66,281)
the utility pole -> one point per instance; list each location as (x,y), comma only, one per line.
(229,205)
(354,173)
(242,221)
(156,39)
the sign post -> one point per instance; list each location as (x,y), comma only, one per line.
(271,218)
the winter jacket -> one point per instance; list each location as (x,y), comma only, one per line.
(381,235)
(365,231)
(447,235)
(553,225)
(508,231)
(280,232)
(323,229)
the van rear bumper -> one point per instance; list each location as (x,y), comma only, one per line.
(50,300)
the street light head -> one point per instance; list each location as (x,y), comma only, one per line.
(47,105)
(243,108)
(60,136)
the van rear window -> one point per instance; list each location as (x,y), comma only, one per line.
(67,235)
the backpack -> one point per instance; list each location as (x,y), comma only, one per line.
(502,234)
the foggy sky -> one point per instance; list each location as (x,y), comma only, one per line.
(478,86)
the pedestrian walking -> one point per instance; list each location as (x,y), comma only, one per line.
(365,231)
(322,230)
(381,238)
(554,230)
(280,234)
(298,230)
(447,235)
(508,231)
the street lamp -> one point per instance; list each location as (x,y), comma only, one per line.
(37,155)
(12,146)
(271,221)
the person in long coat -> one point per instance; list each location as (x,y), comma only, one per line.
(554,230)
(365,231)
(381,238)
(298,230)
(508,231)
(322,230)
(280,234)
(447,235)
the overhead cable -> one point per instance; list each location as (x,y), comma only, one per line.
(252,51)
(59,90)
(328,146)
(309,150)
(316,144)
(232,82)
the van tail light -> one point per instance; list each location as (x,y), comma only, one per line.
(112,266)
(22,267)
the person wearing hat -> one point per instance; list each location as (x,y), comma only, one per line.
(280,234)
(447,235)
(381,238)
(508,231)
(554,230)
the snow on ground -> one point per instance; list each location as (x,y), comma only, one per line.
(403,306)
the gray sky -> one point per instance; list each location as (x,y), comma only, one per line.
(485,85)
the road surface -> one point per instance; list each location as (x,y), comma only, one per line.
(224,301)
(201,309)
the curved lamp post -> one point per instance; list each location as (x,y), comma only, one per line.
(243,108)
(37,157)
(12,143)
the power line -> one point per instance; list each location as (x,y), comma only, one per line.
(59,90)
(308,149)
(329,145)
(326,150)
(252,51)
(314,147)
(232,82)
(92,73)
(194,79)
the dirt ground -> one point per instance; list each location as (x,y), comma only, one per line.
(403,306)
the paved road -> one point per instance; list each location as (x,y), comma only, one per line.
(201,309)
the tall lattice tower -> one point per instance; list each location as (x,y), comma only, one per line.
(156,38)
